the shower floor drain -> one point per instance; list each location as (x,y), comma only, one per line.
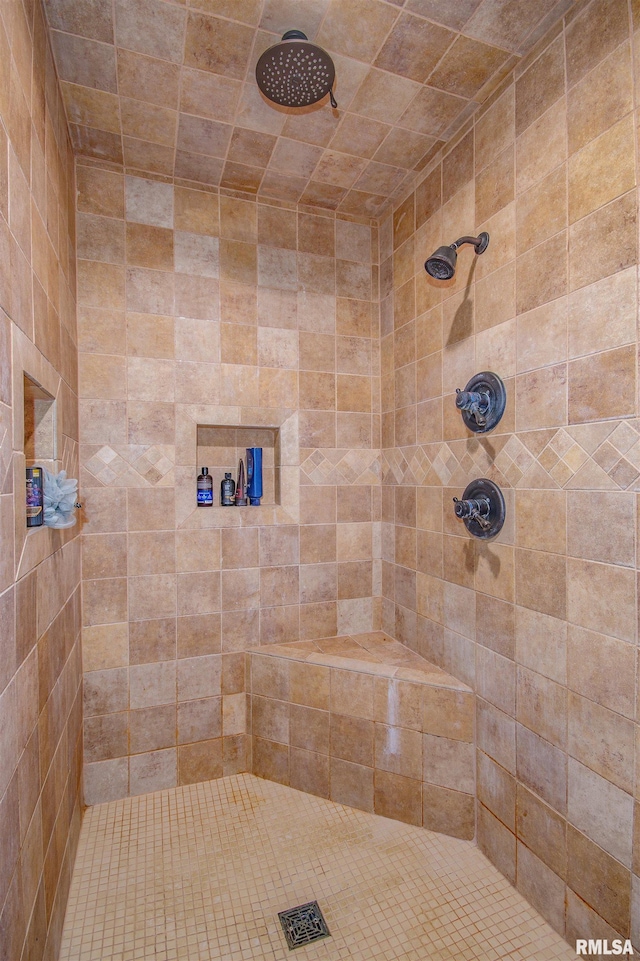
(303,925)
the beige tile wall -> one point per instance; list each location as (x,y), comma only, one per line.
(40,663)
(543,621)
(202,307)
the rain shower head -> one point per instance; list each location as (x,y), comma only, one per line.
(296,73)
(442,264)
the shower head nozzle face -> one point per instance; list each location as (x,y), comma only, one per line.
(294,72)
(442,264)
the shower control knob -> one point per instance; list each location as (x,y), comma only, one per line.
(477,509)
(476,403)
(481,508)
(482,402)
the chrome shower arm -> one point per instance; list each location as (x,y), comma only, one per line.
(480,242)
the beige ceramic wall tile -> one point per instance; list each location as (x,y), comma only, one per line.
(615,224)
(612,608)
(540,86)
(541,520)
(586,330)
(601,739)
(583,404)
(601,811)
(152,640)
(497,843)
(533,164)
(496,790)
(615,910)
(533,350)
(496,735)
(542,830)
(602,171)
(541,887)
(105,646)
(352,739)
(495,625)
(541,643)
(496,680)
(494,186)
(152,771)
(600,99)
(542,768)
(602,669)
(449,763)
(542,706)
(541,582)
(587,42)
(105,779)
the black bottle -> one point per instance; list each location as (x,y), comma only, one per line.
(205,489)
(227,491)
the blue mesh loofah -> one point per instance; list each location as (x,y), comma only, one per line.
(59,495)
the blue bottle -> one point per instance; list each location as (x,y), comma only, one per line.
(254,475)
(205,489)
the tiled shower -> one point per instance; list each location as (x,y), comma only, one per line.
(155,308)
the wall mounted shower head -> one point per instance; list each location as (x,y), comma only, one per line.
(296,73)
(442,264)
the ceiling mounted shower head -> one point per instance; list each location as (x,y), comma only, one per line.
(442,264)
(296,73)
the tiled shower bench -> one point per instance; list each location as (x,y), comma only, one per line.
(364,721)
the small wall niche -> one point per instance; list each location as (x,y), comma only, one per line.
(40,434)
(220,448)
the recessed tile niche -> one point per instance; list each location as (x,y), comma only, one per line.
(43,428)
(217,437)
(220,449)
(40,425)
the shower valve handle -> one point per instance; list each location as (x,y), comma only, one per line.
(475,402)
(476,509)
(481,508)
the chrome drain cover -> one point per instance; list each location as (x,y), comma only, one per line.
(303,925)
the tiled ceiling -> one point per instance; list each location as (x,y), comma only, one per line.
(168,87)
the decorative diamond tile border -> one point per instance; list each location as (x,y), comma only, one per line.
(602,456)
(343,467)
(131,465)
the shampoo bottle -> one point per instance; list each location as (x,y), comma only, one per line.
(205,489)
(35,512)
(228,491)
(254,475)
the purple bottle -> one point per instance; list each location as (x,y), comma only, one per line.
(35,505)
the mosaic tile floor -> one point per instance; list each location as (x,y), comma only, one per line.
(201,872)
